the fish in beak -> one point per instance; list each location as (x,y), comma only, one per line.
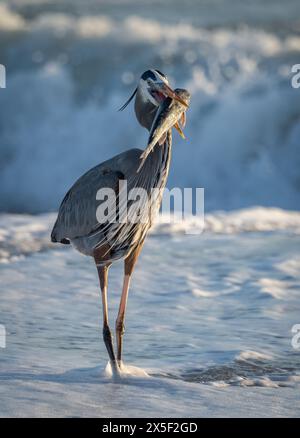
(167,91)
(171,112)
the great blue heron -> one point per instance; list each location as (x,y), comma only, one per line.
(113,240)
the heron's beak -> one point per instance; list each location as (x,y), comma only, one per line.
(168,92)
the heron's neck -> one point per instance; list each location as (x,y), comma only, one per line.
(157,163)
(156,167)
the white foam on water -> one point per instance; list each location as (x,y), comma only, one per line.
(126,372)
(22,234)
(278,289)
(204,293)
(253,219)
(264,382)
(290,267)
(253,355)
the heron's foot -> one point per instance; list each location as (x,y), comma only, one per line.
(125,372)
(112,371)
(120,365)
(116,370)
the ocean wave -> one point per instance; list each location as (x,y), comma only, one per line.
(10,21)
(254,219)
(277,289)
(68,74)
(23,234)
(253,355)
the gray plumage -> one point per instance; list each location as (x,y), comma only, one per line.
(77,222)
(77,212)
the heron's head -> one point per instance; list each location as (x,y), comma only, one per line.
(152,89)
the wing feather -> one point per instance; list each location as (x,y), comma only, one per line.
(77,212)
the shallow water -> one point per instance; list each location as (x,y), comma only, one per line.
(209,319)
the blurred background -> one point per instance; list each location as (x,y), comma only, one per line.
(70,65)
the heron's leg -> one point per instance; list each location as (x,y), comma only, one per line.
(107,335)
(120,328)
(129,264)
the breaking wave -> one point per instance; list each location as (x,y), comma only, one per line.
(67,73)
(23,234)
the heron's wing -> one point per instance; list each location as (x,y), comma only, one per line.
(77,212)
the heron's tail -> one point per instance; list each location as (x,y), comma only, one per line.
(54,238)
